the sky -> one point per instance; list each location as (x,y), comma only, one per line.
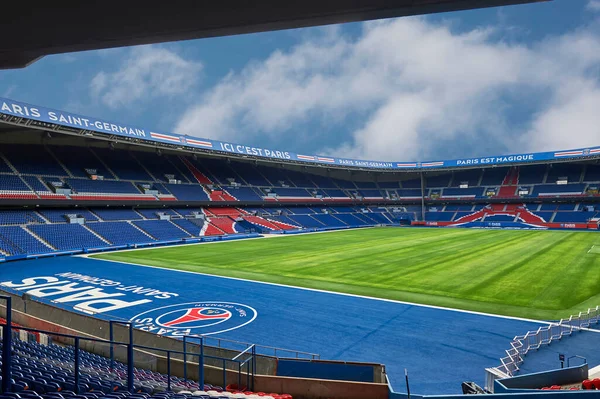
(503,80)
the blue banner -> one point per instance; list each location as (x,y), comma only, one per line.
(33,112)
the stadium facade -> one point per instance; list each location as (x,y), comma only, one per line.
(71,183)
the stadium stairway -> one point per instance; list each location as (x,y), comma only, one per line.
(509,184)
(199,176)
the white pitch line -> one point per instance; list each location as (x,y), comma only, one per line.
(335,293)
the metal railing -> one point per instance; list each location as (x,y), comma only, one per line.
(522,344)
(209,341)
(242,364)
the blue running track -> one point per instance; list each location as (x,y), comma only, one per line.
(440,347)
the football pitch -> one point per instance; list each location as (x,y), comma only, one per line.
(531,274)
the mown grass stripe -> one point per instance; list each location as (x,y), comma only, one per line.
(531,274)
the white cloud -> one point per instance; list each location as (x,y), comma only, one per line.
(146,72)
(421,90)
(594,5)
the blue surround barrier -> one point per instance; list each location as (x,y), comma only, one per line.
(529,382)
(325,370)
(527,386)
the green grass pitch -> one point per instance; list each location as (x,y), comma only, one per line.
(533,274)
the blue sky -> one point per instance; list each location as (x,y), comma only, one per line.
(473,83)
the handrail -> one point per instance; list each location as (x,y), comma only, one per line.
(522,344)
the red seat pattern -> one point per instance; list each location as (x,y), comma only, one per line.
(211,230)
(223,223)
(232,212)
(199,176)
(263,222)
(9,195)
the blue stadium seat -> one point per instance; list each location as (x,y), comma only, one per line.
(119,233)
(32,160)
(22,241)
(116,213)
(65,237)
(162,230)
(187,192)
(102,186)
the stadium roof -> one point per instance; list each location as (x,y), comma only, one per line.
(54,27)
(40,118)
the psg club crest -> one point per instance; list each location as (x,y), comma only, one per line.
(586,151)
(195,318)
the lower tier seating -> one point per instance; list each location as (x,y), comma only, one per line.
(65,237)
(34,232)
(162,230)
(46,371)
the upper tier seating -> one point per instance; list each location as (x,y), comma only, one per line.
(13,183)
(322,181)
(298,179)
(347,184)
(159,166)
(389,184)
(470,177)
(78,159)
(471,192)
(366,184)
(571,171)
(558,189)
(333,193)
(152,213)
(187,192)
(493,176)
(438,181)
(32,160)
(102,186)
(370,193)
(592,173)
(533,174)
(122,164)
(4,168)
(292,192)
(243,193)
(116,214)
(409,193)
(412,183)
